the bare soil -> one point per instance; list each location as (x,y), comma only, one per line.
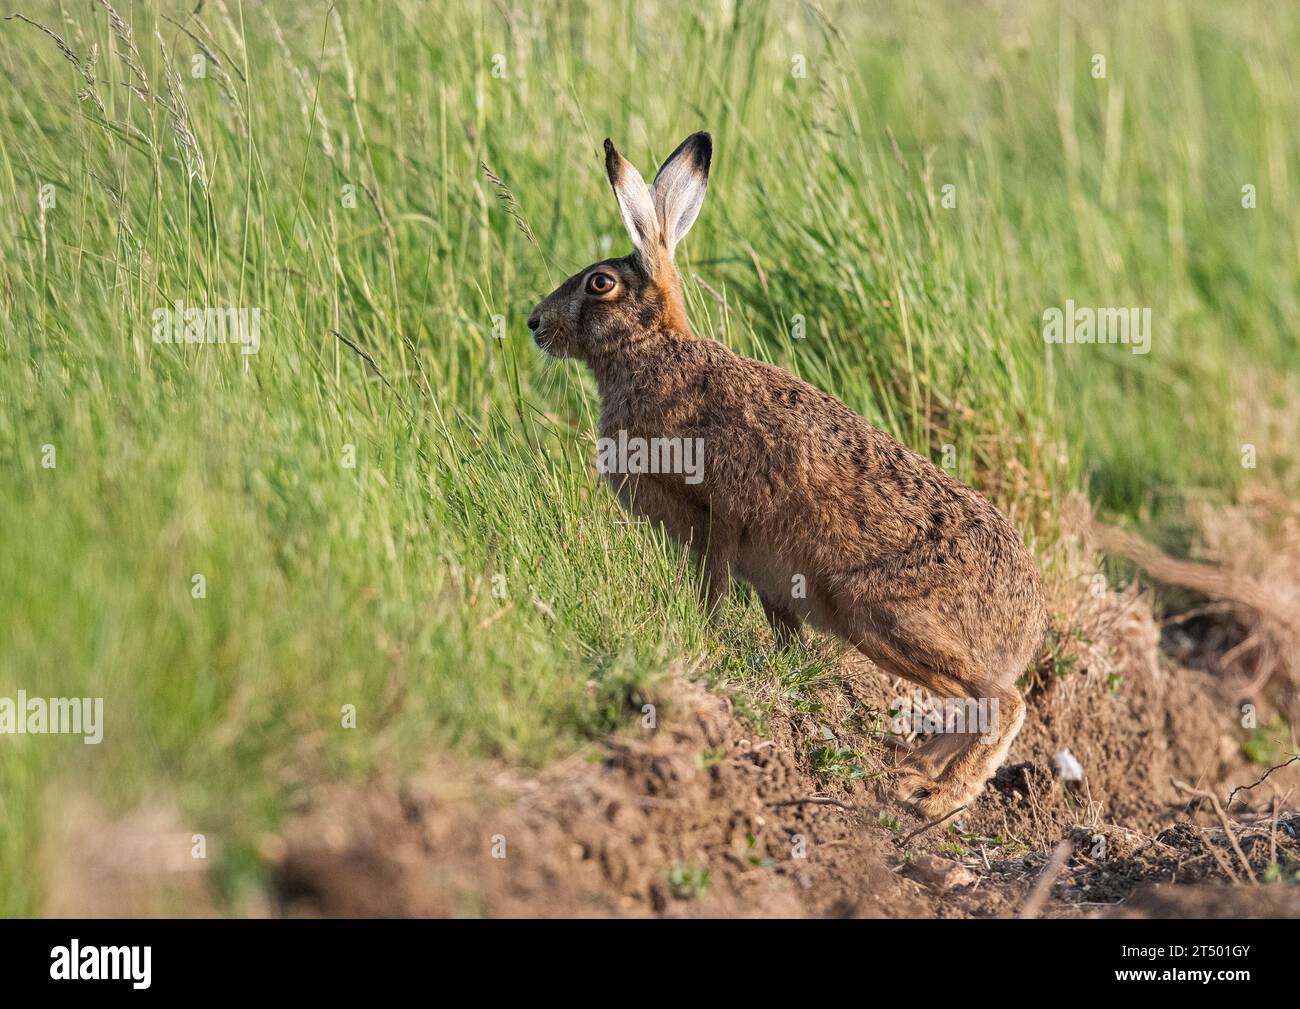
(701,817)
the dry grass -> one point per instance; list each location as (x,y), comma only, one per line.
(1252,555)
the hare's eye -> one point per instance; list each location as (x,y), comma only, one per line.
(600,283)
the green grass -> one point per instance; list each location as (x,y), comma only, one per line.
(373,585)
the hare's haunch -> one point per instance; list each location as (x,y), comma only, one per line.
(771,479)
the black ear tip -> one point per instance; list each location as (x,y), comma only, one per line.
(612,165)
(702,145)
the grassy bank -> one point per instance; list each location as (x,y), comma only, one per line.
(390,505)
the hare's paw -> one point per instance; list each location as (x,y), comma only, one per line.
(947,795)
(913,787)
(938,803)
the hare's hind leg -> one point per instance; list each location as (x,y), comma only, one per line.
(964,778)
(932,756)
(972,756)
(917,778)
(950,769)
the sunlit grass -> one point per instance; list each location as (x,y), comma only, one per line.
(327,171)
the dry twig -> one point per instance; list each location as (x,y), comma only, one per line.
(1043,888)
(1223,819)
(924,827)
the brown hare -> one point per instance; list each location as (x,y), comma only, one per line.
(830,520)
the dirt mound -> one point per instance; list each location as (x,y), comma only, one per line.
(145,864)
(1132,721)
(689,818)
(1211,901)
(699,818)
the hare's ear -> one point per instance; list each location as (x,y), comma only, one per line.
(679,187)
(635,204)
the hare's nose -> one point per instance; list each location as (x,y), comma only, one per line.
(534,321)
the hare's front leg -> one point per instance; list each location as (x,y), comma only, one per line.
(719,556)
(786,626)
(689,525)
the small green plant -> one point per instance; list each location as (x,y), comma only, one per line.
(706,759)
(837,762)
(688,882)
(766,862)
(1267,744)
(996,841)
(1058,641)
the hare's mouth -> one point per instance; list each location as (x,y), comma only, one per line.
(550,341)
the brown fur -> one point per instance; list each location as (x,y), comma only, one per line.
(914,568)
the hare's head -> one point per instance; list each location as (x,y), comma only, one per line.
(620,302)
